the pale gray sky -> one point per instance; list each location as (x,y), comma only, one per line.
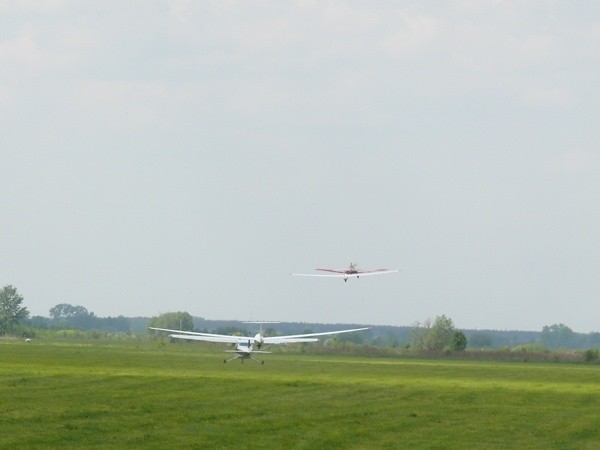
(179,155)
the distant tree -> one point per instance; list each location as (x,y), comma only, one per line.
(119,323)
(269,332)
(459,341)
(591,355)
(440,334)
(355,338)
(67,311)
(173,320)
(480,340)
(436,335)
(60,311)
(38,322)
(418,335)
(557,335)
(65,315)
(11,311)
(232,330)
(593,340)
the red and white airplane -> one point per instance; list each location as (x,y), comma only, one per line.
(351,271)
(244,345)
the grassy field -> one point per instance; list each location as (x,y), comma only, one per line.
(151,394)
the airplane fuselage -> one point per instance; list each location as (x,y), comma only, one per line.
(244,350)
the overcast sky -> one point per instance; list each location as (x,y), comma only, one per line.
(177,155)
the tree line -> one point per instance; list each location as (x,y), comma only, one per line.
(67,316)
(437,334)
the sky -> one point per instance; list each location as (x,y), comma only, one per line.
(162,156)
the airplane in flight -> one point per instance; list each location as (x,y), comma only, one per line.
(244,346)
(351,271)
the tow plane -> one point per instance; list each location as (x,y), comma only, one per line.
(244,346)
(351,271)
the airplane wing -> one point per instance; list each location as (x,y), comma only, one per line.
(375,272)
(208,337)
(336,275)
(285,340)
(224,338)
(345,275)
(310,337)
(333,270)
(356,271)
(196,333)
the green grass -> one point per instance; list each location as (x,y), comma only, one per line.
(156,395)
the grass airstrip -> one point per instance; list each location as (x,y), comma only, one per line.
(156,394)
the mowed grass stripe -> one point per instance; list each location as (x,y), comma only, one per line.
(156,396)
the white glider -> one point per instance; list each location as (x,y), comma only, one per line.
(244,345)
